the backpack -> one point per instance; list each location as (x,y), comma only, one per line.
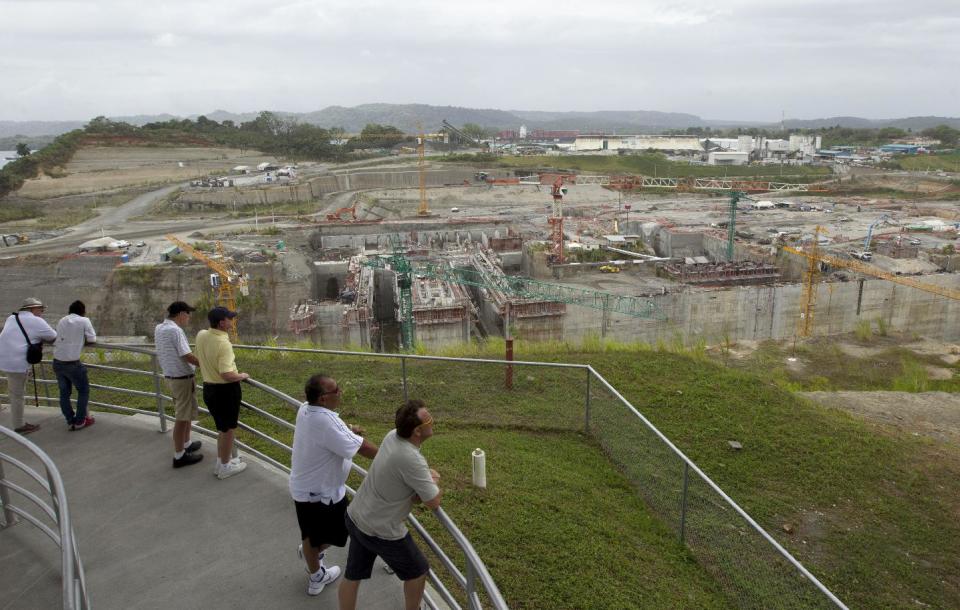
(34,350)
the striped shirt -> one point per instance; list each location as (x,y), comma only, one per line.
(171,343)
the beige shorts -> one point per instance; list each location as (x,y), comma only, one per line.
(184,394)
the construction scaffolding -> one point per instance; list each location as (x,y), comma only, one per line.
(703,273)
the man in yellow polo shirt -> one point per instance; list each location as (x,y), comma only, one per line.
(221,386)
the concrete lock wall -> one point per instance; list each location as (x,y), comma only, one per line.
(773,312)
(130,300)
(316,188)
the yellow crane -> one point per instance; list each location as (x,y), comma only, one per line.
(811,277)
(228,277)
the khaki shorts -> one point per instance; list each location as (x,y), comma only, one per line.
(184,394)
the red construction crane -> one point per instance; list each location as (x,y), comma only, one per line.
(556,220)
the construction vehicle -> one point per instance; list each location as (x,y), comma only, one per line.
(866,242)
(609,269)
(816,260)
(226,280)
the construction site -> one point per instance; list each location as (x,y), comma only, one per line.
(564,257)
(426,254)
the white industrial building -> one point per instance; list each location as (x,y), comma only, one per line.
(637,142)
(728,157)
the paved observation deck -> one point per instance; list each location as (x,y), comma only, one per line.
(151,536)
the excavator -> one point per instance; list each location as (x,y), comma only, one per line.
(338,216)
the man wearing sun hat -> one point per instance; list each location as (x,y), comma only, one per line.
(13,355)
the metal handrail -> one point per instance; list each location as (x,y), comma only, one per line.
(73,580)
(475,568)
(474,564)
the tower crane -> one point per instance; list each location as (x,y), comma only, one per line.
(227,279)
(815,258)
(556,220)
(516,287)
(424,209)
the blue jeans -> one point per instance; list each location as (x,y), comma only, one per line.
(70,375)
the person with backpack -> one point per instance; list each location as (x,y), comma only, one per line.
(74,330)
(21,346)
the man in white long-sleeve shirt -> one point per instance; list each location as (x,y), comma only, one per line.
(13,355)
(74,330)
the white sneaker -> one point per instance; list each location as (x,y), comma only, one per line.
(231,468)
(216,465)
(322,578)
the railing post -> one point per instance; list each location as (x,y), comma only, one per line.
(46,387)
(471,576)
(403,372)
(683,503)
(9,517)
(586,405)
(161,413)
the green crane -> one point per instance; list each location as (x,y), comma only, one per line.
(735,196)
(512,286)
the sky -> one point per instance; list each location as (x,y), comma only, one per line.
(751,60)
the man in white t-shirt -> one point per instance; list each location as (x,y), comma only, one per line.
(74,330)
(323,450)
(13,355)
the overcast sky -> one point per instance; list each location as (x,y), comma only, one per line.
(719,59)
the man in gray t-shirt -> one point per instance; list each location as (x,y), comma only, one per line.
(398,477)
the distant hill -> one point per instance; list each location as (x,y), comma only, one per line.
(409,117)
(915,123)
(38,128)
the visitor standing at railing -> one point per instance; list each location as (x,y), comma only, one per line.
(177,363)
(21,329)
(221,386)
(398,477)
(323,450)
(74,330)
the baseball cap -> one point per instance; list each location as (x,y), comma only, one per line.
(217,314)
(179,306)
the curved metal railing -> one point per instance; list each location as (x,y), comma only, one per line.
(476,580)
(751,566)
(74,585)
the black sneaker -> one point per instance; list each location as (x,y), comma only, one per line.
(187,459)
(194,446)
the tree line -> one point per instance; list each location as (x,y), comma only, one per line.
(268,133)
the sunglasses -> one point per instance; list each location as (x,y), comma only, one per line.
(336,390)
(429,422)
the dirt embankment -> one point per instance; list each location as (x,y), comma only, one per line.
(932,414)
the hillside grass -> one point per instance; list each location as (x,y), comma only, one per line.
(658,165)
(945,162)
(870,513)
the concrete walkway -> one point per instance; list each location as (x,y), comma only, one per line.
(154,537)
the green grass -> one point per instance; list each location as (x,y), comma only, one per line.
(872,514)
(658,165)
(946,162)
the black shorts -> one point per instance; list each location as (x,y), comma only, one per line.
(223,402)
(323,523)
(403,556)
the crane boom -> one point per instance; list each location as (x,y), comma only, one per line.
(228,278)
(870,270)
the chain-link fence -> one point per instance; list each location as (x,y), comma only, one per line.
(751,567)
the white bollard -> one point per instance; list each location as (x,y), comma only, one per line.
(479,468)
